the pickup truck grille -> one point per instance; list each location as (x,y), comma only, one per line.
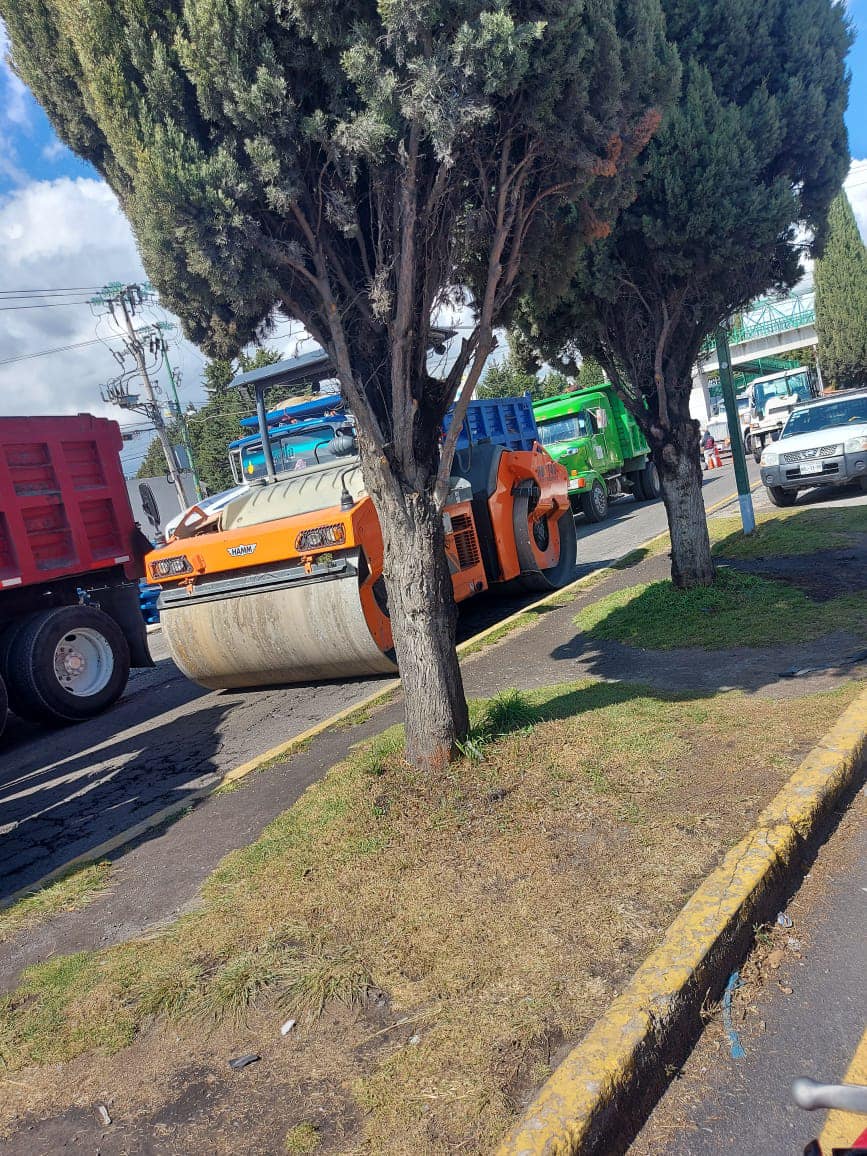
(811,454)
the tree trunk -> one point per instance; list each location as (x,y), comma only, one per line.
(423,619)
(676,453)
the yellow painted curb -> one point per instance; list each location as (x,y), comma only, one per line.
(285,748)
(596,1099)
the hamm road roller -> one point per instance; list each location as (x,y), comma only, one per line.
(285,585)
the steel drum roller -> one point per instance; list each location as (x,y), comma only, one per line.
(296,633)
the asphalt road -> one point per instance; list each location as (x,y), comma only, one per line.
(65,792)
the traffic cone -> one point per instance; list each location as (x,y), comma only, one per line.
(717,459)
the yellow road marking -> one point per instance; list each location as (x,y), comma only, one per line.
(841,1128)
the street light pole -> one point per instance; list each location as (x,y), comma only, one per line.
(742,477)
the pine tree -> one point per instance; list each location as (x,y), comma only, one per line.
(841,300)
(353,163)
(755,144)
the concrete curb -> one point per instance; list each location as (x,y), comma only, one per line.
(286,748)
(598,1098)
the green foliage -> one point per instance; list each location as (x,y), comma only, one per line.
(841,300)
(507,379)
(217,423)
(260,149)
(755,143)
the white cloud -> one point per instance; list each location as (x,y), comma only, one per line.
(856,190)
(58,235)
(66,234)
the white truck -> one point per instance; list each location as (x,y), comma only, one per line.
(771,400)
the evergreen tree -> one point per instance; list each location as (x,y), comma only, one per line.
(352,162)
(507,379)
(755,144)
(841,300)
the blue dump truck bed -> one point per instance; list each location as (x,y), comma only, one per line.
(503,421)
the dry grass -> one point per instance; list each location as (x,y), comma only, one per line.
(495,908)
(70,892)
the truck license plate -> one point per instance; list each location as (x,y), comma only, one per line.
(811,467)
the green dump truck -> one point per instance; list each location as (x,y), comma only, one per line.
(594,436)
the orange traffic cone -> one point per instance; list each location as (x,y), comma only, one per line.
(717,460)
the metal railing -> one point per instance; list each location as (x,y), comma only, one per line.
(773,318)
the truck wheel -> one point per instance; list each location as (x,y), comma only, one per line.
(4,706)
(68,664)
(758,445)
(781,497)
(595,504)
(651,487)
(8,637)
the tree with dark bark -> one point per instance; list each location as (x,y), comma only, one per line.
(359,166)
(755,147)
(841,300)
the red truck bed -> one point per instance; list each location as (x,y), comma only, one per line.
(64,508)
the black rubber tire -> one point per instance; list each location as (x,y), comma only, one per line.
(758,446)
(4,706)
(637,484)
(781,497)
(594,505)
(39,695)
(563,570)
(651,486)
(8,637)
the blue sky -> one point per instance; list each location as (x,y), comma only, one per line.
(60,227)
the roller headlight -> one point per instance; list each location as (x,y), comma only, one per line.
(170,567)
(320,537)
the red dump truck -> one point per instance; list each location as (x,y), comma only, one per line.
(70,559)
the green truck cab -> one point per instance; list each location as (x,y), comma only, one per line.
(597,439)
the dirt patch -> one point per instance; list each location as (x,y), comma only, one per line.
(462,931)
(822,576)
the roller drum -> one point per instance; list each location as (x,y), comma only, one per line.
(297,633)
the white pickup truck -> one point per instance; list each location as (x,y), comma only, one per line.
(823,443)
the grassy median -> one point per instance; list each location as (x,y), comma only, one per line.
(439,940)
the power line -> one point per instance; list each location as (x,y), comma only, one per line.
(58,349)
(48,292)
(41,305)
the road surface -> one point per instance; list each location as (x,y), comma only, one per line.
(65,792)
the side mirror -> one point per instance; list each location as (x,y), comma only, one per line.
(601,418)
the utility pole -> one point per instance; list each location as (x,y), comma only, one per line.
(179,413)
(745,497)
(122,302)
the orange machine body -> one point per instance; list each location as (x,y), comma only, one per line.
(524,534)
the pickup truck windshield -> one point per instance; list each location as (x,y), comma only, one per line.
(813,418)
(564,429)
